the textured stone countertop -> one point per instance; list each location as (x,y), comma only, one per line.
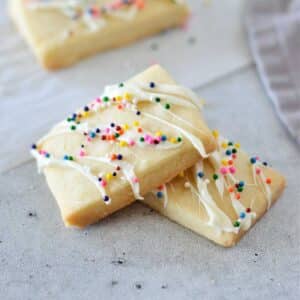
(137,254)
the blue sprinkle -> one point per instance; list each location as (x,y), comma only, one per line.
(241,183)
(66,157)
(47,155)
(106,198)
(92,134)
(163,138)
(242,215)
(253,160)
(200,174)
(159,194)
(152,85)
(265,163)
(228,152)
(33,146)
(120,156)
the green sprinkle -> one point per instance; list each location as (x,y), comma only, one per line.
(105,99)
(121,84)
(230,143)
(71,158)
(215,176)
(179,139)
(157,99)
(117,135)
(69,119)
(142,139)
(73,127)
(240,189)
(236,224)
(234,150)
(167,106)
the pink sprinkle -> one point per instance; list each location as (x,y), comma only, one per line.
(257,158)
(147,137)
(81,153)
(258,171)
(234,156)
(89,139)
(232,170)
(103,183)
(150,141)
(223,170)
(98,100)
(107,130)
(135,180)
(131,142)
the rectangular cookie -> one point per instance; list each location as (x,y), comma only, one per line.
(62,32)
(221,197)
(122,145)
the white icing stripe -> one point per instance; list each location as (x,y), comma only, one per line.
(217,218)
(145,96)
(127,169)
(172,90)
(43,162)
(194,140)
(267,189)
(184,121)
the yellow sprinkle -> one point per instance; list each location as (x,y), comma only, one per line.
(108,176)
(158,133)
(215,133)
(224,145)
(123,143)
(84,113)
(181,174)
(126,127)
(127,96)
(119,98)
(136,123)
(237,145)
(224,162)
(173,140)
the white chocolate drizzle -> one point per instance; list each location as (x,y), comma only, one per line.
(217,219)
(138,93)
(43,162)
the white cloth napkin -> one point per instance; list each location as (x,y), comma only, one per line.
(274,35)
(32,100)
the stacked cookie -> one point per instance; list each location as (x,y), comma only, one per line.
(62,32)
(145,139)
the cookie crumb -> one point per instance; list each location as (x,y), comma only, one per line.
(154,46)
(164,286)
(32,214)
(114,282)
(138,286)
(192,40)
(118,261)
(256,254)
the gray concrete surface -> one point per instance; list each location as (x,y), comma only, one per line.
(137,254)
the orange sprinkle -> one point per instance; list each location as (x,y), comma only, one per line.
(237,196)
(268,181)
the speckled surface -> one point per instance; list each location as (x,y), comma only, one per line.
(137,254)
